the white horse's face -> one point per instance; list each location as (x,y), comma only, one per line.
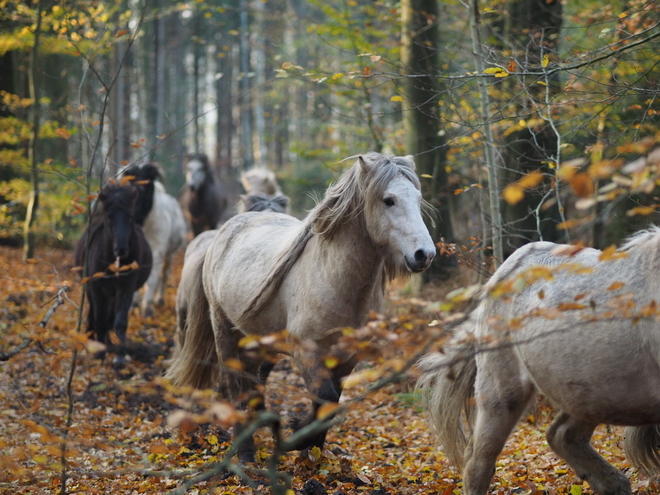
(195,174)
(397,223)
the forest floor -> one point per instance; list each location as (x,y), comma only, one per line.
(117,438)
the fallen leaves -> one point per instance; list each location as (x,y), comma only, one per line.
(132,432)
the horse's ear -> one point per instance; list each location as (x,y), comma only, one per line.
(364,166)
(410,159)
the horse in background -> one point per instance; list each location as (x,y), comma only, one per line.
(203,198)
(260,180)
(579,326)
(165,229)
(115,246)
(264,272)
(197,249)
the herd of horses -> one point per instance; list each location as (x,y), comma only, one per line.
(578,325)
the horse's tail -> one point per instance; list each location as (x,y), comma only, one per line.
(642,447)
(447,386)
(196,362)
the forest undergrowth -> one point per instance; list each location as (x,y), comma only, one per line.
(115,437)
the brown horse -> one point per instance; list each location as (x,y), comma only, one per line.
(203,198)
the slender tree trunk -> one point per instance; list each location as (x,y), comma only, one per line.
(424,139)
(489,144)
(246,114)
(260,70)
(159,77)
(33,204)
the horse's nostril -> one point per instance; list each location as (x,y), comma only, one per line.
(420,256)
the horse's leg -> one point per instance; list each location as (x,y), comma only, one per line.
(123,302)
(159,296)
(570,438)
(324,385)
(98,318)
(235,385)
(501,396)
(151,285)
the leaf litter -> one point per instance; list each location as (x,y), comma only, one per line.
(119,440)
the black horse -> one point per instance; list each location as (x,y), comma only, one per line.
(118,261)
(203,199)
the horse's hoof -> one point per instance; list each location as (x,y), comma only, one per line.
(244,457)
(118,362)
(99,355)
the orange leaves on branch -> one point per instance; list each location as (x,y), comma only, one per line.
(63,133)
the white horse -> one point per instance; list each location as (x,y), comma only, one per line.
(165,230)
(581,328)
(260,180)
(266,272)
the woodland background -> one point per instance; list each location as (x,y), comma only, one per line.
(528,119)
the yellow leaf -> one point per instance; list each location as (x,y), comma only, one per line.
(212,440)
(513,194)
(121,33)
(338,75)
(616,285)
(326,410)
(40,459)
(530,180)
(331,362)
(497,71)
(426,176)
(31,261)
(623,15)
(96,122)
(545,61)
(396,98)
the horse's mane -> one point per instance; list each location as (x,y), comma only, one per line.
(358,190)
(263,202)
(145,176)
(641,237)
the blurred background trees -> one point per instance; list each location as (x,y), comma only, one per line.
(298,85)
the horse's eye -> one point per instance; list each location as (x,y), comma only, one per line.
(388,202)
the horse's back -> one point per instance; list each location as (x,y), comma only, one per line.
(246,251)
(578,339)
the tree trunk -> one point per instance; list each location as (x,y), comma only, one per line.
(246,114)
(33,204)
(424,137)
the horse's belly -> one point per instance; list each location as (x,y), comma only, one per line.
(596,374)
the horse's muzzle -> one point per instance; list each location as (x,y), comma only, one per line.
(421,261)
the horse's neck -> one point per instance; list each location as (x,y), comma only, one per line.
(350,261)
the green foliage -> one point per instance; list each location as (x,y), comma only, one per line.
(58,222)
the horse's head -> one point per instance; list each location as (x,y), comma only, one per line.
(144,176)
(260,180)
(393,210)
(198,171)
(119,202)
